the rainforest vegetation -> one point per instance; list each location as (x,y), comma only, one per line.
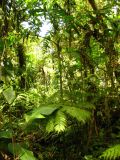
(59,91)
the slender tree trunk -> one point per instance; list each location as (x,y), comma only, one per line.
(22,65)
(60,70)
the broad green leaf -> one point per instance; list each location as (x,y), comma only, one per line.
(15,148)
(9,95)
(33,116)
(6,134)
(47,110)
(26,154)
(21,152)
(40,112)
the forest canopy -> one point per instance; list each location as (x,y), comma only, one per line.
(59,79)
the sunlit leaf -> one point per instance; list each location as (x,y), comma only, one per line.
(60,121)
(9,95)
(57,122)
(50,125)
(40,112)
(47,110)
(33,116)
(26,154)
(21,152)
(111,153)
(80,114)
(6,134)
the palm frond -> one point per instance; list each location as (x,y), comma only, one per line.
(50,125)
(80,114)
(60,121)
(111,153)
(57,123)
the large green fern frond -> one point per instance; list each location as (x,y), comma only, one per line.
(56,116)
(112,153)
(50,124)
(60,121)
(57,123)
(80,114)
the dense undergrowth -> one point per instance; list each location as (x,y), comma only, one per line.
(59,93)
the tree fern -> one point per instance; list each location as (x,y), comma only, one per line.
(58,121)
(112,153)
(56,116)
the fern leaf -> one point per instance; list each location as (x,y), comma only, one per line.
(111,153)
(80,114)
(50,125)
(57,123)
(60,121)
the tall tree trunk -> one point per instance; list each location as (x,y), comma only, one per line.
(22,65)
(60,69)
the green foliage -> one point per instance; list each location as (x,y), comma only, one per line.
(40,112)
(89,157)
(34,115)
(80,114)
(53,85)
(60,121)
(6,134)
(1,46)
(21,152)
(112,153)
(9,94)
(57,123)
(47,109)
(50,125)
(56,115)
